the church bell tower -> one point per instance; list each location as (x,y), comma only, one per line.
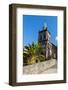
(44,39)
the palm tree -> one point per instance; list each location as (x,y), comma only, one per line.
(32,53)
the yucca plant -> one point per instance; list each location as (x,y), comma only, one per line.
(32,53)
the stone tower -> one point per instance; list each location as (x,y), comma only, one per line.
(44,39)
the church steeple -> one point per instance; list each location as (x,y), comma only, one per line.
(44,39)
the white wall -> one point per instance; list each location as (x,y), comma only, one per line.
(4,47)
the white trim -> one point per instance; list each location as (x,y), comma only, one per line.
(41,77)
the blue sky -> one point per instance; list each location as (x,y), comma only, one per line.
(33,24)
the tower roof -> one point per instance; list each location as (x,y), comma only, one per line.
(45,28)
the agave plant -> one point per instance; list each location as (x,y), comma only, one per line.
(32,53)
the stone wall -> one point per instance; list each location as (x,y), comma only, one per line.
(38,68)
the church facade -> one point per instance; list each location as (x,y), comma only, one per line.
(49,49)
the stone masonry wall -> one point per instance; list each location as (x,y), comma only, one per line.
(38,67)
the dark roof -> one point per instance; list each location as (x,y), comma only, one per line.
(44,31)
(53,45)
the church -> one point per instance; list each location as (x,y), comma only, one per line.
(49,49)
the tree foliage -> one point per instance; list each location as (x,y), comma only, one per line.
(32,53)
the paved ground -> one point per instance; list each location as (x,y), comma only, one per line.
(52,69)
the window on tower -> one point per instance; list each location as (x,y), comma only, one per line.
(44,36)
(40,38)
